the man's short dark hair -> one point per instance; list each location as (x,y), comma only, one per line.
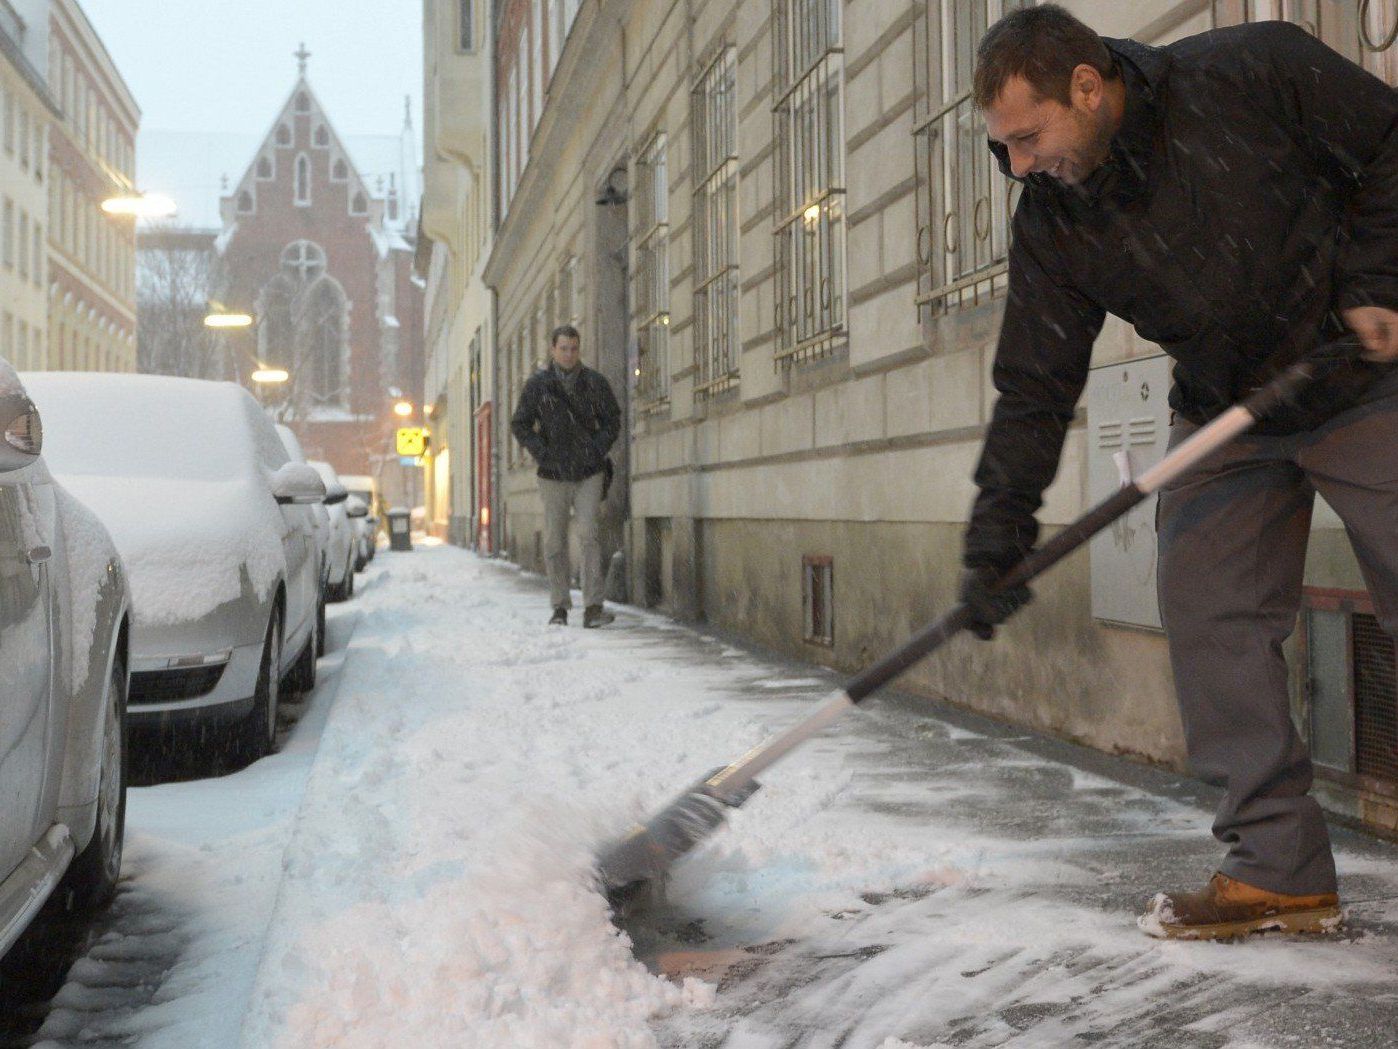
(1044,45)
(564,331)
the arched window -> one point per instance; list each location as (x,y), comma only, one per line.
(264,168)
(339,171)
(303,179)
(245,203)
(359,205)
(276,330)
(303,102)
(323,328)
(322,137)
(283,135)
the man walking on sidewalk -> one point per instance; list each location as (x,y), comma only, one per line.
(1235,197)
(568,419)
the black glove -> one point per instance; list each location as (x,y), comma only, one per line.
(989,610)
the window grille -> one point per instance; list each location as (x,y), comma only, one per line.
(818,598)
(1351,688)
(567,292)
(964,204)
(808,133)
(714,124)
(651,278)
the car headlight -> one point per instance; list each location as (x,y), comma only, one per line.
(25,432)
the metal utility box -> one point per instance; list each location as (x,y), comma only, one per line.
(1128,420)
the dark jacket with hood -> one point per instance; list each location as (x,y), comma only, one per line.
(1251,193)
(568,434)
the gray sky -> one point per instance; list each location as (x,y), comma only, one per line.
(212,65)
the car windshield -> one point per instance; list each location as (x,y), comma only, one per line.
(142,426)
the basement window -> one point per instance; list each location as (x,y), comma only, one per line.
(1351,689)
(818,598)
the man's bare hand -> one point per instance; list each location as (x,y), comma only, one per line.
(1377,329)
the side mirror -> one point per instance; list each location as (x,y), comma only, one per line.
(354,507)
(297,484)
(21,432)
(335,492)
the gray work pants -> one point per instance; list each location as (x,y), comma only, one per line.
(584,499)
(1232,537)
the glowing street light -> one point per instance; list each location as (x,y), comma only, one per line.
(271,376)
(140,205)
(403,409)
(227,320)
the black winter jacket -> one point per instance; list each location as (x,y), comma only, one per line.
(1250,194)
(568,436)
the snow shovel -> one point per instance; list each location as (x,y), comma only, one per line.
(632,867)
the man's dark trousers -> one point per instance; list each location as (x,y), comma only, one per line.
(1232,552)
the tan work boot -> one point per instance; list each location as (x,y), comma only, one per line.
(1227,908)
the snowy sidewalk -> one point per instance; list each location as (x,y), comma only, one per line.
(907,880)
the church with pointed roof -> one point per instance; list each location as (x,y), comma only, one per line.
(320,251)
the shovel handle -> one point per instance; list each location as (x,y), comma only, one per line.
(1279,391)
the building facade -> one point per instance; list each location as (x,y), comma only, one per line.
(454,242)
(27,110)
(92,157)
(320,254)
(780,231)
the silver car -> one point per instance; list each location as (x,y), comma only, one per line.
(215,526)
(344,543)
(64,630)
(320,519)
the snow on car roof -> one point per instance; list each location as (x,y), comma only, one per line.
(143,425)
(177,470)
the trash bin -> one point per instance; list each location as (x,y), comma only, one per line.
(400,534)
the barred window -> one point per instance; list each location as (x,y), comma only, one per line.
(568,292)
(714,123)
(810,178)
(964,204)
(650,291)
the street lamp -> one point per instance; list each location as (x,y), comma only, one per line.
(270,376)
(140,205)
(403,409)
(228,320)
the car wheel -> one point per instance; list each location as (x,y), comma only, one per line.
(320,624)
(303,674)
(91,878)
(258,731)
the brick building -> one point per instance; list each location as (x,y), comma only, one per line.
(320,252)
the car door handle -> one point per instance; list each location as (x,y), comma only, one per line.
(39,554)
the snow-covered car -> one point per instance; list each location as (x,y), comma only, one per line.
(320,517)
(366,488)
(64,630)
(343,545)
(215,526)
(358,511)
